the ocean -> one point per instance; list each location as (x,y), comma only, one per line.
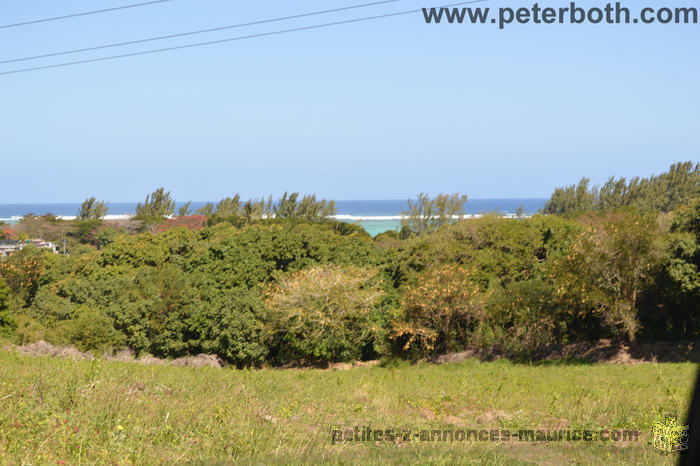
(375,216)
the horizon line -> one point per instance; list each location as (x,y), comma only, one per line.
(242,198)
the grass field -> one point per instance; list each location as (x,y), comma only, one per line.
(56,411)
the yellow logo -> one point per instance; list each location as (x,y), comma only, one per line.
(669,436)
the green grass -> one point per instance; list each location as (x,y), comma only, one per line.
(59,410)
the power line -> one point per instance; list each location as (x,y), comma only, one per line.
(84,13)
(200,31)
(230,39)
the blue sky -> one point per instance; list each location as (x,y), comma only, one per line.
(376,110)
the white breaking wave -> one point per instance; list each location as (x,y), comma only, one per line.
(399,217)
(344,217)
(17,218)
(367,217)
(107,217)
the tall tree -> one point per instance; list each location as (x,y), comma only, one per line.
(92,209)
(185,210)
(660,193)
(252,211)
(229,206)
(158,204)
(207,209)
(286,206)
(427,214)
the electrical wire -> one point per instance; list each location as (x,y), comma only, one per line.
(230,39)
(200,31)
(84,13)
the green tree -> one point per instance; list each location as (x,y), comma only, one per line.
(252,211)
(232,327)
(608,268)
(523,317)
(286,206)
(324,313)
(6,321)
(310,209)
(428,214)
(91,209)
(574,198)
(229,206)
(268,210)
(159,204)
(185,210)
(661,193)
(207,209)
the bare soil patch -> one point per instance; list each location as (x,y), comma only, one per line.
(605,350)
(42,348)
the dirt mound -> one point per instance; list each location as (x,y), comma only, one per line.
(595,351)
(201,360)
(342,366)
(42,348)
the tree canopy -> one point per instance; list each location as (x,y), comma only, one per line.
(92,209)
(661,193)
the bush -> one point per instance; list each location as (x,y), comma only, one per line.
(28,330)
(232,327)
(607,270)
(90,330)
(500,250)
(152,311)
(525,317)
(324,313)
(7,324)
(22,271)
(440,310)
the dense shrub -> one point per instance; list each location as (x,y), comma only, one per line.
(22,272)
(440,310)
(6,321)
(524,317)
(324,313)
(500,250)
(176,292)
(232,326)
(89,329)
(285,290)
(610,263)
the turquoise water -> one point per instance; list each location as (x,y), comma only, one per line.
(374,227)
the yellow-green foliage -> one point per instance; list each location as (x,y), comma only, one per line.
(6,322)
(510,284)
(608,266)
(325,313)
(441,308)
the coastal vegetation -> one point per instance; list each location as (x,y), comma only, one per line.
(661,193)
(427,214)
(275,283)
(92,209)
(282,287)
